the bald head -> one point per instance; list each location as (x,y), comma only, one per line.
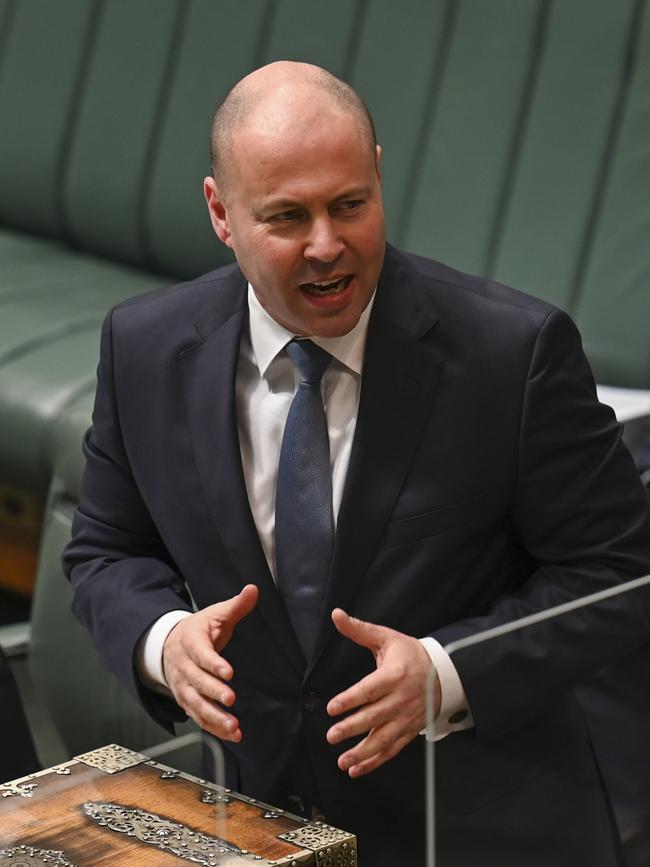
(279,94)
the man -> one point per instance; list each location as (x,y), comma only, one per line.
(473,479)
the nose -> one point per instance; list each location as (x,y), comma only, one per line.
(323,241)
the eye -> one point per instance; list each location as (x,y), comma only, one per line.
(349,205)
(286,216)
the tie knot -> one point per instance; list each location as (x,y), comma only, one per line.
(310,359)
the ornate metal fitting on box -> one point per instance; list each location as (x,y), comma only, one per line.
(29,856)
(166,835)
(24,786)
(213,796)
(331,846)
(25,790)
(169,775)
(112,759)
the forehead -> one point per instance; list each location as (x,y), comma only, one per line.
(300,148)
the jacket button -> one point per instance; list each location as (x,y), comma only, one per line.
(458,717)
(311,701)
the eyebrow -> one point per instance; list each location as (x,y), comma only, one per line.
(288,204)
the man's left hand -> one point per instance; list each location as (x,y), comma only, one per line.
(390,704)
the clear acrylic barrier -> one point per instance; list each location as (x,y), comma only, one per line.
(211,759)
(523,782)
(175,754)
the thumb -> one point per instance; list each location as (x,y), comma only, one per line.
(237,607)
(370,635)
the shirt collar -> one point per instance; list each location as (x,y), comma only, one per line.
(268,337)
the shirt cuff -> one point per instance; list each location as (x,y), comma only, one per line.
(455,714)
(149,652)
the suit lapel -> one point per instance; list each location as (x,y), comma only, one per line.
(209,369)
(400,377)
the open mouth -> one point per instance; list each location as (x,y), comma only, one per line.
(322,289)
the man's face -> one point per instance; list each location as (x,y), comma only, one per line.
(302,212)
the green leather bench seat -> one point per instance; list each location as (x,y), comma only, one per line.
(83,721)
(514,136)
(86,705)
(49,338)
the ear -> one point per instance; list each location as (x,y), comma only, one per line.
(218,212)
(378,161)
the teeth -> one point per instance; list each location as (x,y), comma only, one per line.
(325,288)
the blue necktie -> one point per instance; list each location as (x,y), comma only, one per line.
(304,523)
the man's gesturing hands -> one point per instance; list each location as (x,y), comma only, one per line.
(390,703)
(196,672)
(388,706)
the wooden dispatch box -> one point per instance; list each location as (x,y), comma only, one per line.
(113,806)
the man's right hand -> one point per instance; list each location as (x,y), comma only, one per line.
(195,671)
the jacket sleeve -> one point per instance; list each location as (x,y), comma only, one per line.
(581,514)
(122,576)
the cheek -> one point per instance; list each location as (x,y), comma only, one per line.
(369,237)
(277,269)
(284,260)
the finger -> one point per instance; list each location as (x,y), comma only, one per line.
(369,635)
(365,720)
(369,689)
(199,651)
(189,644)
(378,742)
(378,759)
(406,714)
(209,716)
(188,657)
(211,687)
(189,675)
(207,659)
(384,741)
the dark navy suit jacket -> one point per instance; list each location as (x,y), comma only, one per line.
(485,483)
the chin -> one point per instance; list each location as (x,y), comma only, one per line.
(335,325)
(332,328)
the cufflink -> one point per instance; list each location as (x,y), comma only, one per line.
(458,717)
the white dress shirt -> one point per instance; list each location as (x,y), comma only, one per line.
(266,384)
